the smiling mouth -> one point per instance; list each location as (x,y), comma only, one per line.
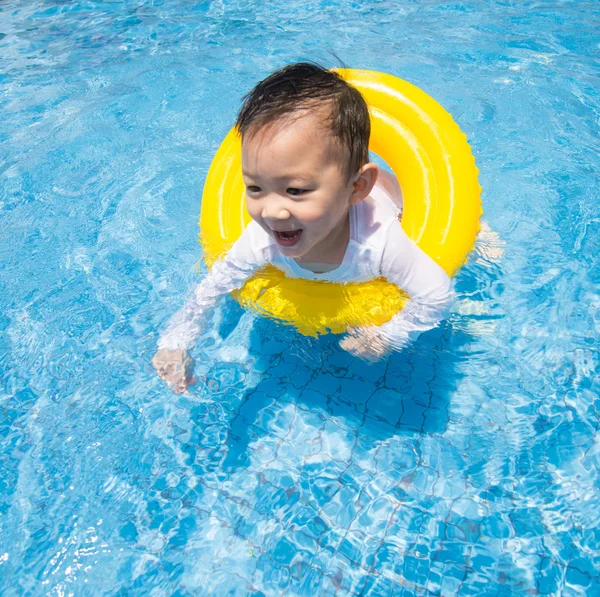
(287,238)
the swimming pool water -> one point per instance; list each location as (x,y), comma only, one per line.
(465,465)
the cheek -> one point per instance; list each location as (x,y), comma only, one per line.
(253,208)
(312,214)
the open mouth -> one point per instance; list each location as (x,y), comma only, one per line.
(287,238)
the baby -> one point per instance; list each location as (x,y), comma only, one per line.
(320,210)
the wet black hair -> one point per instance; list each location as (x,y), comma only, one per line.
(303,86)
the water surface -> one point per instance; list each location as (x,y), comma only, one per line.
(465,465)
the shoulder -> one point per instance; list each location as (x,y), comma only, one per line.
(407,265)
(257,236)
(254,245)
(375,215)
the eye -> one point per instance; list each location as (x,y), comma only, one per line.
(253,189)
(294,192)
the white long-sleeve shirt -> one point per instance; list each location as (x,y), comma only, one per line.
(378,247)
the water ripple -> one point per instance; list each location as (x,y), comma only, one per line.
(465,465)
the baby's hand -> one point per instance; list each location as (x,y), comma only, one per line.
(367,343)
(176,368)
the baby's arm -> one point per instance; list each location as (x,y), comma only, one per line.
(172,361)
(429,289)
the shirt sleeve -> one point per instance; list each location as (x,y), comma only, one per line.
(428,286)
(230,272)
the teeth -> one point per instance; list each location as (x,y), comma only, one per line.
(289,234)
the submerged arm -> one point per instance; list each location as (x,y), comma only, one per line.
(430,293)
(172,361)
(428,286)
(187,324)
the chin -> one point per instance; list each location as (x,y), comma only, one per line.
(292,252)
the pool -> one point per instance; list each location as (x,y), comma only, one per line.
(465,465)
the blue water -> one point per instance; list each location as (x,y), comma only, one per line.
(465,465)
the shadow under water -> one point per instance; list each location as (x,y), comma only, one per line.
(405,392)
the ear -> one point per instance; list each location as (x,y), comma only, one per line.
(363,182)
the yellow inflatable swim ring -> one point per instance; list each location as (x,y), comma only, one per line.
(433,163)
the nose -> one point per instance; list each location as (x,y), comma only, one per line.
(274,209)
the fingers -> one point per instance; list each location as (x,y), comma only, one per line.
(364,344)
(175,367)
(180,388)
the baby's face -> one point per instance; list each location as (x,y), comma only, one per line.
(295,187)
